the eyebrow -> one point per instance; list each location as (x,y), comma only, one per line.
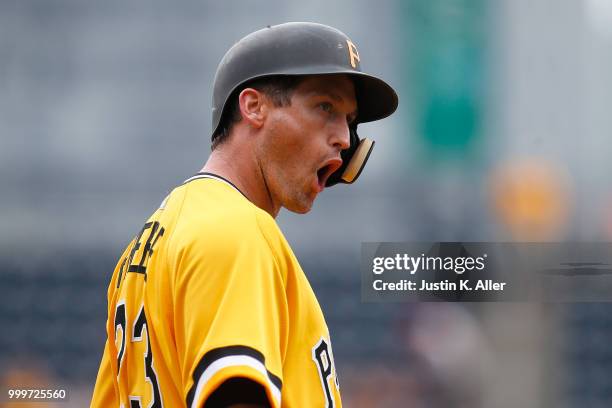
(332,95)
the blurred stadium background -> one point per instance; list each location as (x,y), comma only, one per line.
(503,133)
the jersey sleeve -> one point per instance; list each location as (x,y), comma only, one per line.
(230,311)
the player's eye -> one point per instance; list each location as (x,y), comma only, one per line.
(327,107)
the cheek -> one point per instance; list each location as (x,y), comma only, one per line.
(292,139)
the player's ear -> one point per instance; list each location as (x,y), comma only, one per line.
(253,106)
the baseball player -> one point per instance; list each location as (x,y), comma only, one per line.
(208,305)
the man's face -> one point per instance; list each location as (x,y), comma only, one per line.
(301,144)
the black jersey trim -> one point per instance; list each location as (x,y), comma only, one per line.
(229,351)
(205,174)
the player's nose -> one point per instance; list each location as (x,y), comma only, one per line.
(341,137)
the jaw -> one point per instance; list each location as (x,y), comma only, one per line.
(300,209)
(291,181)
(283,193)
(299,201)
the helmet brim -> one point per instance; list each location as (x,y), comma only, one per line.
(375,98)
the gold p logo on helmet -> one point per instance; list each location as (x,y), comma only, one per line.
(353,54)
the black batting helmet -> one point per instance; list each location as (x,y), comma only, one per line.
(305,49)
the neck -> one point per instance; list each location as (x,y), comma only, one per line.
(244,173)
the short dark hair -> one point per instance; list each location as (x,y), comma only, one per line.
(278,88)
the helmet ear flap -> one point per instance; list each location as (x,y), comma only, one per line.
(354,159)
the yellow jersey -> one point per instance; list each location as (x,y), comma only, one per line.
(209,290)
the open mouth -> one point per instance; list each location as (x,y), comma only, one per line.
(328,168)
